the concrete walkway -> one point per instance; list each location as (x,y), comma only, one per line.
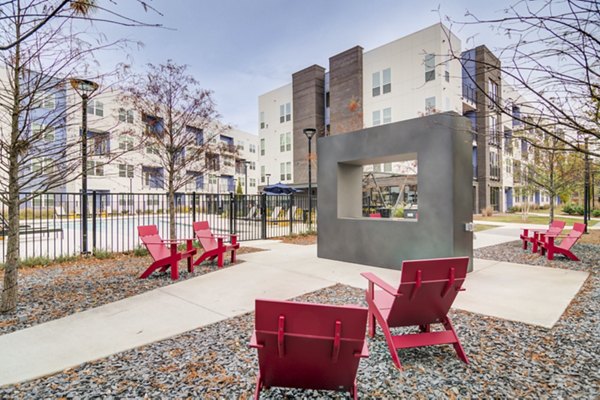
(528,294)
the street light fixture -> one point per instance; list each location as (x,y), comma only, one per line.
(309,132)
(84,89)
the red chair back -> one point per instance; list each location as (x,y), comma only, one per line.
(205,236)
(556,227)
(153,242)
(428,289)
(375,215)
(309,346)
(572,237)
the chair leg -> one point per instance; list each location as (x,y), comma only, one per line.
(150,270)
(390,342)
(190,265)
(354,391)
(371,324)
(220,259)
(457,346)
(425,328)
(232,256)
(259,385)
(174,270)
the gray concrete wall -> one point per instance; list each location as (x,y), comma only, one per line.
(442,144)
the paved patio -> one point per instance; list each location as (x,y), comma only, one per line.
(533,295)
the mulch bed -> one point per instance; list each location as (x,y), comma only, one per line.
(55,291)
(508,359)
(298,239)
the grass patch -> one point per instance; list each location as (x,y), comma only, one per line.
(140,251)
(531,219)
(101,254)
(483,227)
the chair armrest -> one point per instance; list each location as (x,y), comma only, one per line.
(371,277)
(175,240)
(253,343)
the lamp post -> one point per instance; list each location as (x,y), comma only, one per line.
(84,89)
(309,132)
(586,189)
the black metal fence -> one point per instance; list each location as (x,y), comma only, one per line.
(51,222)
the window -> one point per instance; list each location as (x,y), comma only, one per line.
(495,198)
(262,147)
(387,80)
(285,142)
(262,174)
(101,143)
(252,148)
(327,100)
(430,105)
(493,130)
(46,100)
(262,120)
(382,82)
(125,171)
(387,167)
(37,165)
(95,107)
(125,115)
(387,115)
(252,182)
(494,165)
(447,70)
(252,165)
(126,143)
(376,84)
(47,132)
(241,145)
(152,149)
(492,93)
(376,118)
(95,168)
(288,169)
(429,67)
(285,112)
(282,171)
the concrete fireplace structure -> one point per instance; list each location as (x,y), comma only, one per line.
(442,145)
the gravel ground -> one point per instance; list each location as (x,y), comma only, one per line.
(55,291)
(508,359)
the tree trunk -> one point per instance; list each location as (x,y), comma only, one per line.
(171,200)
(552,188)
(10,288)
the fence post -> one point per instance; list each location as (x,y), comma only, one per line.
(231,211)
(94,210)
(263,215)
(193,207)
(291,213)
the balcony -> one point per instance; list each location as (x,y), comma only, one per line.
(469,98)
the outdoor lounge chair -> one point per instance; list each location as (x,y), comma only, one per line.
(555,228)
(308,346)
(213,245)
(375,215)
(164,252)
(547,243)
(427,290)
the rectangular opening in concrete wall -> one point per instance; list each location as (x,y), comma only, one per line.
(390,190)
(382,187)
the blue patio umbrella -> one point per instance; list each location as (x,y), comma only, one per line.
(279,188)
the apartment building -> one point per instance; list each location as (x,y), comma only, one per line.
(406,78)
(114,128)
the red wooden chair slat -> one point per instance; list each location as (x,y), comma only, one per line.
(424,296)
(164,257)
(213,245)
(308,346)
(375,215)
(546,243)
(555,229)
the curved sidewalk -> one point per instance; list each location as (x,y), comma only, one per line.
(523,293)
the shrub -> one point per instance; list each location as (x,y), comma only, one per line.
(487,212)
(596,213)
(572,209)
(140,251)
(515,209)
(398,212)
(102,254)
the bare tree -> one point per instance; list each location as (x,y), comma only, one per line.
(39,150)
(552,58)
(181,125)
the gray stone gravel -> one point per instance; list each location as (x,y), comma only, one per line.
(55,291)
(508,359)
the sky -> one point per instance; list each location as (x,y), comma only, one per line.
(241,49)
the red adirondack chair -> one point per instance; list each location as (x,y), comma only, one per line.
(427,290)
(375,215)
(547,243)
(555,228)
(164,252)
(308,346)
(214,245)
